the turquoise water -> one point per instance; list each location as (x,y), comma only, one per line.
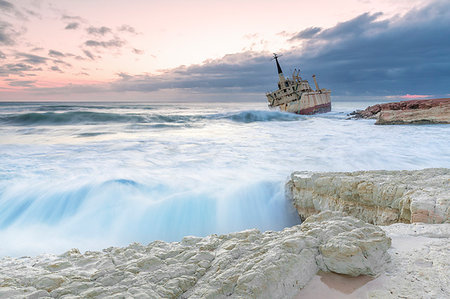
(96,175)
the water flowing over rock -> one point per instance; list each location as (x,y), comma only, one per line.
(378,197)
(433,111)
(247,264)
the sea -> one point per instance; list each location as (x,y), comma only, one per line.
(95,175)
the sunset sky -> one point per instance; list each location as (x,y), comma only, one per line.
(205,50)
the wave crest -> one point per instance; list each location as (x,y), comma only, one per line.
(72,117)
(250,116)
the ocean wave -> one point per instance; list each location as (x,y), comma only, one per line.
(127,210)
(67,118)
(89,117)
(250,116)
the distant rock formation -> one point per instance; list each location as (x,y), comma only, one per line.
(378,197)
(433,111)
(247,264)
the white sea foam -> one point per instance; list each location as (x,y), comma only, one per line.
(96,175)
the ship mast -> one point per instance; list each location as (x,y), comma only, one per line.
(280,72)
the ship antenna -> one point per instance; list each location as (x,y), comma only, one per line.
(275,56)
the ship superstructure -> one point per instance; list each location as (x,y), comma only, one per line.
(296,95)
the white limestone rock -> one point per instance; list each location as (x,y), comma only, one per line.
(420,262)
(247,264)
(378,197)
(349,246)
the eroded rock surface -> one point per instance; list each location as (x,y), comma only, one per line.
(247,264)
(378,197)
(408,112)
(420,262)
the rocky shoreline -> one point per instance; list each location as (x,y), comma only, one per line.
(432,111)
(378,197)
(408,258)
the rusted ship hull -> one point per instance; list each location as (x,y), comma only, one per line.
(295,95)
(308,104)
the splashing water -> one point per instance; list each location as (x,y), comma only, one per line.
(92,176)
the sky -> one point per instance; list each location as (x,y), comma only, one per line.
(216,50)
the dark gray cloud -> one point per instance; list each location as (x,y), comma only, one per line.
(54,53)
(31,58)
(364,56)
(18,69)
(7,34)
(306,33)
(62,62)
(98,30)
(72,26)
(113,43)
(5,5)
(217,75)
(22,83)
(89,54)
(56,69)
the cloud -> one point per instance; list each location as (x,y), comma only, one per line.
(306,33)
(113,43)
(362,56)
(2,55)
(54,53)
(89,54)
(18,69)
(32,59)
(72,26)
(67,17)
(22,83)
(5,5)
(7,34)
(56,69)
(98,30)
(137,51)
(218,75)
(365,56)
(62,62)
(127,28)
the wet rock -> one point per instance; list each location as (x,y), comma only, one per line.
(433,111)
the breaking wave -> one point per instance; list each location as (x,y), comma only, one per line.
(88,117)
(65,118)
(120,211)
(258,116)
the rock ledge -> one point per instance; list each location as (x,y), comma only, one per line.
(378,197)
(433,111)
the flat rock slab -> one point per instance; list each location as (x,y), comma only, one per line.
(378,197)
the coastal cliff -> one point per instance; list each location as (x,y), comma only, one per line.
(433,111)
(378,197)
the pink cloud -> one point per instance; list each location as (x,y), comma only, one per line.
(415,96)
